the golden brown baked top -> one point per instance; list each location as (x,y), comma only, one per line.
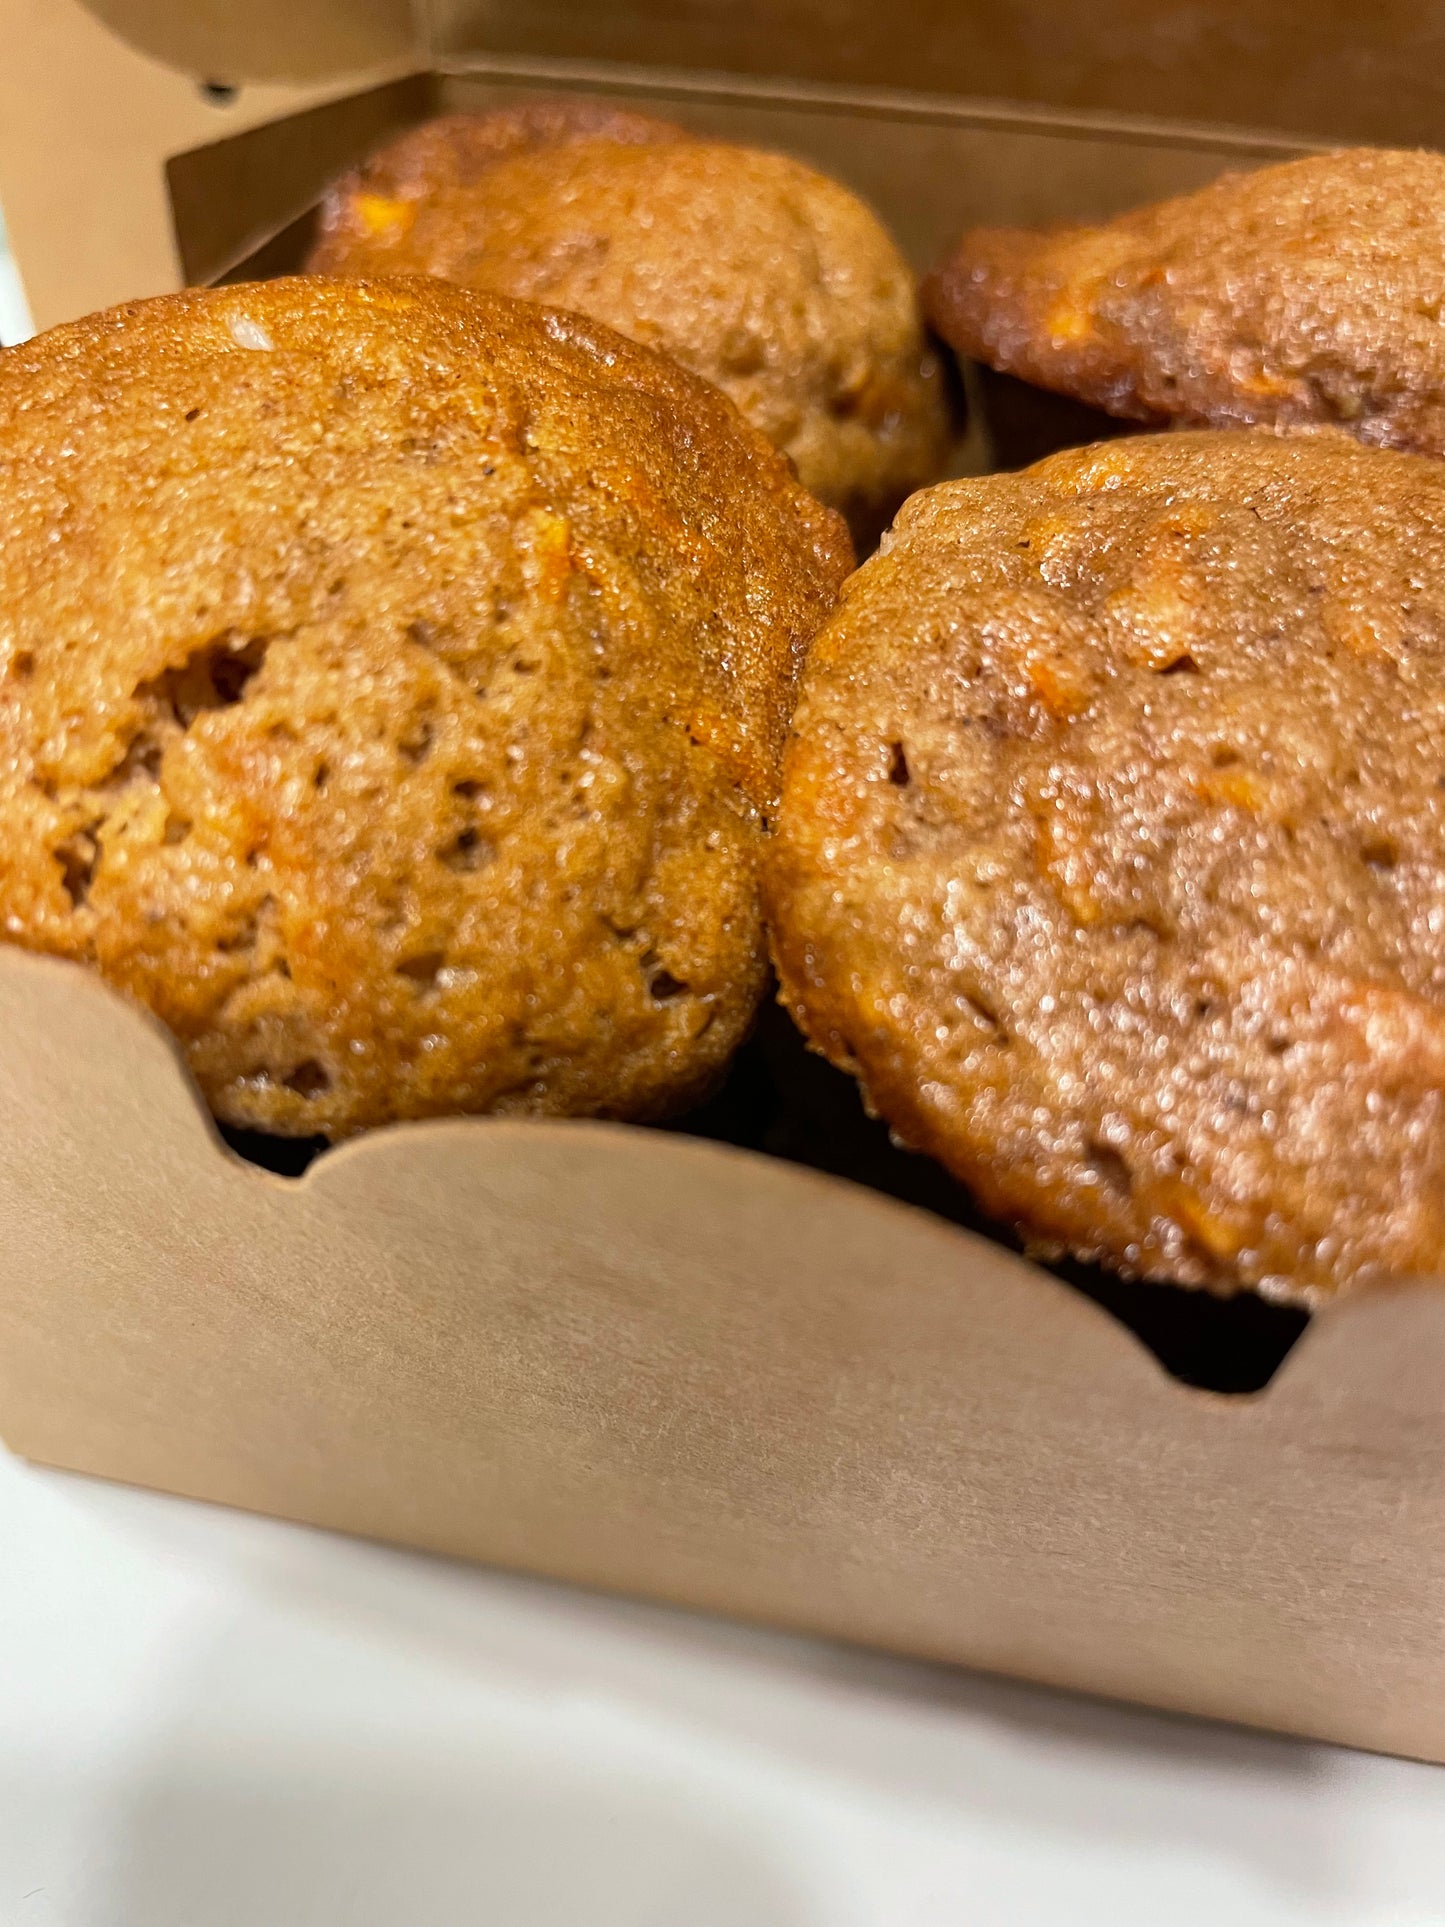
(454,150)
(1112,852)
(755,271)
(1307,292)
(392,681)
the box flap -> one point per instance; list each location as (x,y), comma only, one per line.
(658,1365)
(1367,70)
(87,123)
(1351,70)
(265,39)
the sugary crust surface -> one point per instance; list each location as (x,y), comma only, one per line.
(756,272)
(392,683)
(453,151)
(1112,853)
(1307,292)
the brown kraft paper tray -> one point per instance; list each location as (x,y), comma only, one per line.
(643,1360)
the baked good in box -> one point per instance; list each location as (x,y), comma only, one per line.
(454,150)
(1306,292)
(1111,855)
(392,684)
(755,271)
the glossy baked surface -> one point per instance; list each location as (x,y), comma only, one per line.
(1307,292)
(392,683)
(757,272)
(1112,852)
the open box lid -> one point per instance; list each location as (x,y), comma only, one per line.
(96,98)
(1351,70)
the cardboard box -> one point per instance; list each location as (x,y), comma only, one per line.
(628,1358)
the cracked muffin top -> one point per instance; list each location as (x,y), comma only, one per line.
(1111,855)
(1312,291)
(392,683)
(755,271)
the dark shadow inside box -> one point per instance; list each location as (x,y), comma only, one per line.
(1022,424)
(784,1100)
(287,1157)
(284,253)
(780,1099)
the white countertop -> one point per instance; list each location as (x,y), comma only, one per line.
(208,1720)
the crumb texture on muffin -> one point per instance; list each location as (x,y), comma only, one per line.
(392,683)
(1311,291)
(1111,854)
(454,150)
(755,271)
